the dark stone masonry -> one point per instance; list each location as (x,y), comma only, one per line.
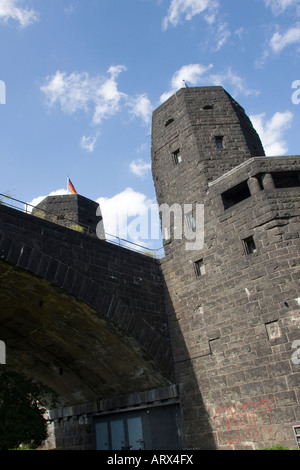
(233,305)
(197,350)
(71,210)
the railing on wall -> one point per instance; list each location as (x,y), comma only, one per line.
(22,206)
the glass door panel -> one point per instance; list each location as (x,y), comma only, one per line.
(117,434)
(135,433)
(102,436)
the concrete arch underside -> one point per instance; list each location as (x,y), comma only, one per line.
(78,350)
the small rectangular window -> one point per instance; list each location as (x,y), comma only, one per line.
(249,245)
(199,268)
(166,234)
(190,220)
(177,157)
(219,142)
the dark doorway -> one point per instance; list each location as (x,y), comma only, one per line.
(147,429)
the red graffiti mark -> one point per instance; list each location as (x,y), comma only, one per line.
(236,423)
(252,418)
(268,415)
(228,422)
(242,426)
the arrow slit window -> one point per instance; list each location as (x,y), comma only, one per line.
(177,159)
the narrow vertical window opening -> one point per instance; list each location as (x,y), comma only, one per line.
(249,245)
(190,220)
(219,142)
(177,157)
(199,268)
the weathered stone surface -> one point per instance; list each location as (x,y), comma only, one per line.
(248,313)
(70,210)
(77,317)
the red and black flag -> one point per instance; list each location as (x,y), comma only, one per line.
(71,187)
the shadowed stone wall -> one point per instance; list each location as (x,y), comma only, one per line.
(232,322)
(122,287)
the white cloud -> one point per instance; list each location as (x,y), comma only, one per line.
(191,74)
(279,6)
(222,34)
(142,148)
(188,9)
(272,131)
(99,96)
(107,98)
(122,212)
(280,41)
(229,79)
(29,206)
(88,143)
(139,167)
(284,38)
(72,92)
(239,32)
(10,9)
(79,91)
(196,75)
(141,107)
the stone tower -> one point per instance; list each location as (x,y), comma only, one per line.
(233,301)
(73,211)
(198,135)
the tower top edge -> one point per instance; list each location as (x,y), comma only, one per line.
(190,90)
(66,197)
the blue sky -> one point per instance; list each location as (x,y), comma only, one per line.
(82,78)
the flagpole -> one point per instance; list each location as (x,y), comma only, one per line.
(68,183)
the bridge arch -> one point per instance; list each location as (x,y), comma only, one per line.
(60,326)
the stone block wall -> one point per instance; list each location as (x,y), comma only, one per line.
(233,327)
(70,210)
(232,303)
(126,285)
